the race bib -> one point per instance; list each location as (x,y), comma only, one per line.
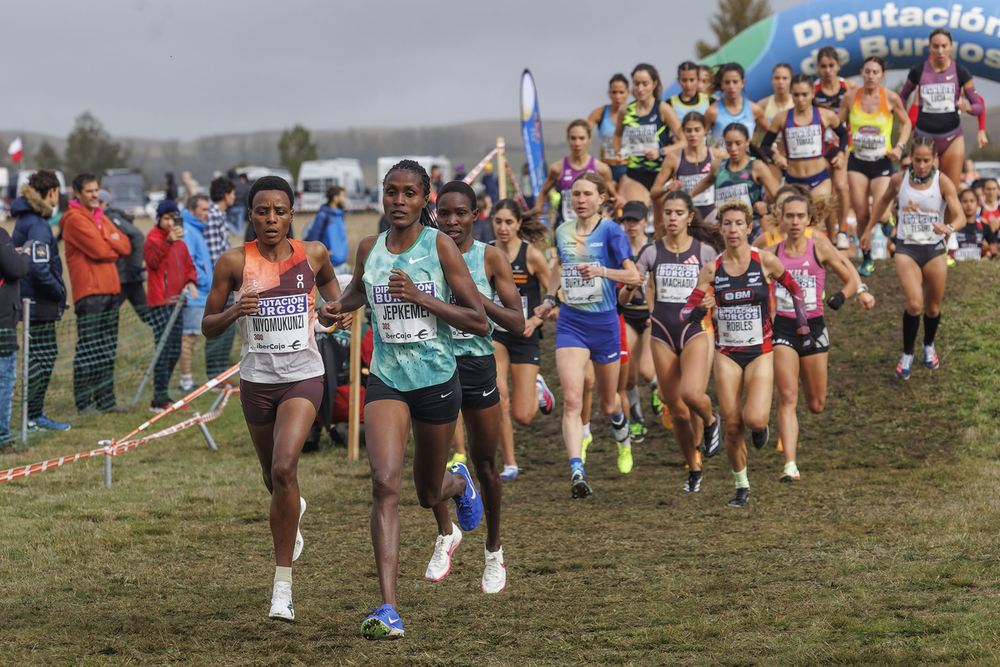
(969,253)
(675,282)
(918,228)
(937,98)
(740,326)
(637,138)
(401,321)
(739,191)
(690,181)
(280,326)
(566,202)
(805,142)
(608,146)
(868,144)
(524,309)
(579,290)
(808,285)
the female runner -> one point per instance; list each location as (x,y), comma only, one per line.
(773,236)
(408,275)
(477,371)
(869,111)
(989,212)
(281,371)
(807,259)
(594,255)
(689,166)
(690,99)
(829,90)
(781,100)
(924,193)
(976,240)
(643,129)
(941,82)
(579,161)
(743,176)
(682,352)
(605,119)
(741,277)
(734,106)
(516,232)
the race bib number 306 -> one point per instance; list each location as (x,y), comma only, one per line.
(281,325)
(401,321)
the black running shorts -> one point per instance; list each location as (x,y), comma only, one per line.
(785,333)
(478,376)
(438,404)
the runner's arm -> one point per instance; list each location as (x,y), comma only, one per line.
(765,177)
(884,203)
(708,181)
(830,257)
(326,279)
(218,318)
(353,296)
(950,194)
(509,316)
(905,124)
(760,120)
(693,311)
(669,118)
(549,299)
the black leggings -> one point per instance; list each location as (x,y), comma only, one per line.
(96,347)
(159,317)
(42,357)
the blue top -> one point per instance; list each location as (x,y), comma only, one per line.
(723,119)
(330,229)
(606,131)
(194,239)
(606,246)
(44,282)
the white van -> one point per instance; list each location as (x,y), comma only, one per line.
(254,172)
(425,161)
(316,177)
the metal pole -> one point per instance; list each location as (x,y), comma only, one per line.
(24,382)
(208,436)
(159,347)
(222,395)
(354,416)
(107,464)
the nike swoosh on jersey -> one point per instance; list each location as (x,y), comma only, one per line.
(414,260)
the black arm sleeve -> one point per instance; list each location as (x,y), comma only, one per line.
(964,76)
(767,142)
(841,133)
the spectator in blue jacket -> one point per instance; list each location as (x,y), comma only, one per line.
(43,285)
(195,219)
(329,228)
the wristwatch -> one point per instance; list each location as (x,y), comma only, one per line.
(862,288)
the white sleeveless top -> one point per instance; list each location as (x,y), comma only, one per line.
(918,211)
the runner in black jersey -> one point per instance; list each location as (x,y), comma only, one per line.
(830,89)
(685,170)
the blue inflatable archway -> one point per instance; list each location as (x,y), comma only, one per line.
(897,33)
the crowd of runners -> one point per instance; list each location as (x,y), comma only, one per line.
(696,244)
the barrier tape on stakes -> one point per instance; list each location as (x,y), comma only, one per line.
(517,191)
(123,445)
(471,176)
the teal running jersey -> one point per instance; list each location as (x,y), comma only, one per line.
(606,246)
(412,347)
(466,344)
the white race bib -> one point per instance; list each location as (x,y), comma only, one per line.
(804,142)
(690,181)
(675,282)
(566,202)
(808,285)
(740,326)
(402,321)
(868,144)
(524,309)
(739,191)
(281,326)
(918,228)
(608,145)
(579,290)
(636,139)
(968,253)
(937,98)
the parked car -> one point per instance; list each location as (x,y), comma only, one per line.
(19,179)
(316,177)
(153,200)
(129,189)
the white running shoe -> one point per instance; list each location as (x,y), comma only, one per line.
(299,542)
(495,574)
(440,564)
(281,603)
(843,242)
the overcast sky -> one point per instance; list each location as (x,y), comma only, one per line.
(189,68)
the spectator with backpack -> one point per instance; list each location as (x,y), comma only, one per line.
(330,229)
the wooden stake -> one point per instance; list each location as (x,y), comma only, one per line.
(501,170)
(353,405)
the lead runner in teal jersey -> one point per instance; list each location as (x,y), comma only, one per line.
(408,275)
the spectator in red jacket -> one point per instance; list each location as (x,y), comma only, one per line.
(93,245)
(170,270)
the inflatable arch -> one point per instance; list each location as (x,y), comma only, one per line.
(896,32)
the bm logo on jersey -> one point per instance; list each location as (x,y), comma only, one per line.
(737,295)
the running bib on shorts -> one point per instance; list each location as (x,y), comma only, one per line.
(401,321)
(524,309)
(690,181)
(566,202)
(579,290)
(868,144)
(280,326)
(937,98)
(808,285)
(675,282)
(739,191)
(968,253)
(918,228)
(637,138)
(740,326)
(805,142)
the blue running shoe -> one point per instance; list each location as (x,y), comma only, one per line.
(866,268)
(469,505)
(385,623)
(43,423)
(930,357)
(903,367)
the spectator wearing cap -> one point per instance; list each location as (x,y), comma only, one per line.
(131,273)
(13,266)
(43,285)
(459,171)
(195,218)
(330,228)
(171,271)
(491,184)
(222,192)
(93,245)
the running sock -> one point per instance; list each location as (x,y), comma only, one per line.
(576,465)
(695,473)
(618,422)
(741,479)
(791,469)
(910,325)
(633,403)
(586,430)
(930,328)
(282,574)
(867,255)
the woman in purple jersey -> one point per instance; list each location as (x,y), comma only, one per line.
(941,82)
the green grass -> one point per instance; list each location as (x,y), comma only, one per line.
(884,554)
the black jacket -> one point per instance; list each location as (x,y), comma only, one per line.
(13,267)
(44,282)
(130,269)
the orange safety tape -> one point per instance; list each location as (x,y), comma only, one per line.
(471,176)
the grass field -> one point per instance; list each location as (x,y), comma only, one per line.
(884,554)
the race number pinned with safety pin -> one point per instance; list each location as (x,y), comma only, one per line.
(402,321)
(580,290)
(281,325)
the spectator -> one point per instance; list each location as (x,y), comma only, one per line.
(482,228)
(526,189)
(13,267)
(169,187)
(238,212)
(330,229)
(491,183)
(93,245)
(131,273)
(190,185)
(459,171)
(43,285)
(223,194)
(195,218)
(170,271)
(436,181)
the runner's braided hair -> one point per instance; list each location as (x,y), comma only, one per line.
(708,234)
(532,229)
(425,182)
